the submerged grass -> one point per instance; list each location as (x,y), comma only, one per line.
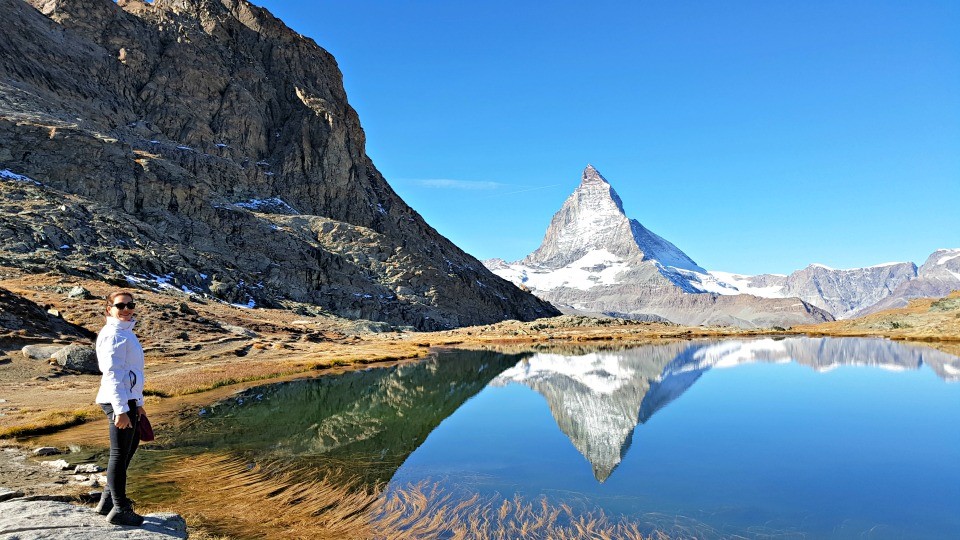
(226,495)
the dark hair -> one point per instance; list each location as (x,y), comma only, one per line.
(113,296)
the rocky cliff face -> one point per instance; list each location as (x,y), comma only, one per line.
(594,259)
(229,138)
(856,292)
(845,292)
(937,277)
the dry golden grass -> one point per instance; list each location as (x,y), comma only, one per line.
(50,421)
(224,495)
(935,320)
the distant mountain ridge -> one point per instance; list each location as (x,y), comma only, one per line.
(596,260)
(855,292)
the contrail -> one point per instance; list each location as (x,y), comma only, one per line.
(521,191)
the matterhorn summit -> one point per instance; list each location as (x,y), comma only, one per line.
(596,260)
(592,225)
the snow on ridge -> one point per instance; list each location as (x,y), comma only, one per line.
(740,284)
(269,205)
(951,254)
(7,173)
(602,373)
(596,267)
(859,268)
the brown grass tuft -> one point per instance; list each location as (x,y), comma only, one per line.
(50,422)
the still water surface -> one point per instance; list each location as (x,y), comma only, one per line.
(795,437)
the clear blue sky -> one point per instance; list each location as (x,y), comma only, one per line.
(757,136)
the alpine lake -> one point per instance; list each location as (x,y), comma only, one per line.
(793,437)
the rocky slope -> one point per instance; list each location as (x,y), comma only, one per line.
(21,318)
(594,259)
(938,276)
(223,146)
(856,292)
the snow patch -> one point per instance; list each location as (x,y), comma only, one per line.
(741,284)
(953,254)
(10,175)
(272,205)
(597,267)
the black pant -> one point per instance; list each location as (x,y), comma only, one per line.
(123,444)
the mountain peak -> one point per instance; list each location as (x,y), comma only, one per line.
(592,221)
(592,175)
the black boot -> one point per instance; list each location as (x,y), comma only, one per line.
(125,516)
(105,504)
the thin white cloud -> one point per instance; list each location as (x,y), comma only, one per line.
(532,189)
(446,183)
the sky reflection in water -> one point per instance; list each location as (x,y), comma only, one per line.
(827,437)
(867,440)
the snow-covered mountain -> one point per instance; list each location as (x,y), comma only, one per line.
(857,291)
(592,228)
(594,259)
(599,399)
(841,292)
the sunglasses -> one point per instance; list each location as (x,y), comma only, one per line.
(128,305)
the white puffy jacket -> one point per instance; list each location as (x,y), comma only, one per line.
(120,357)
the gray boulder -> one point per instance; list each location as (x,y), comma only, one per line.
(40,352)
(78,358)
(79,292)
(28,520)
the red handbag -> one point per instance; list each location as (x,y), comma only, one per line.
(144,429)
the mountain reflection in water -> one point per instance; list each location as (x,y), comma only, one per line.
(368,422)
(365,422)
(598,399)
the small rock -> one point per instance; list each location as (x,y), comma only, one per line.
(239,330)
(80,479)
(46,451)
(79,292)
(79,358)
(185,309)
(40,352)
(87,468)
(60,464)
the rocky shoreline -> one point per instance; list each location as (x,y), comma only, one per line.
(49,493)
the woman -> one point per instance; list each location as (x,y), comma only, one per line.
(120,357)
